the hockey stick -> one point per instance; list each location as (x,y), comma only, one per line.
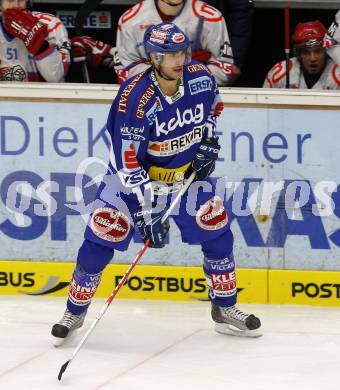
(84,11)
(123,280)
(287,43)
(196,43)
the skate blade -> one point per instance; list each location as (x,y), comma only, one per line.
(58,341)
(230,330)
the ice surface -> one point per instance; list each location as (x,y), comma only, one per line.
(169,346)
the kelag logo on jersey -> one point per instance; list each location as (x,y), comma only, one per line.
(186,117)
(200,84)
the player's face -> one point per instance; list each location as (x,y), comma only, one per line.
(313,59)
(172,64)
(8,4)
(173,3)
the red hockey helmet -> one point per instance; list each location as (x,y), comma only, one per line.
(309,33)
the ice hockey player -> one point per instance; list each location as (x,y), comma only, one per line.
(332,40)
(202,23)
(34,45)
(162,124)
(311,67)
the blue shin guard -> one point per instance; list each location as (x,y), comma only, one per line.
(91,261)
(82,288)
(219,270)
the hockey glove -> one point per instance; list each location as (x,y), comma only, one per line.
(151,227)
(202,56)
(88,48)
(122,75)
(204,161)
(23,25)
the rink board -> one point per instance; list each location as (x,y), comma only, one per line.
(146,282)
(317,288)
(51,148)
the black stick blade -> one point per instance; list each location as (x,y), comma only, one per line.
(63,369)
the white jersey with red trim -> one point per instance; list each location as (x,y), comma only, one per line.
(213,38)
(276,77)
(17,64)
(332,39)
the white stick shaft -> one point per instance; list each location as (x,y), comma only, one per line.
(178,196)
(90,329)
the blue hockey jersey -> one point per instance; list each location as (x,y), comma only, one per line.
(155,137)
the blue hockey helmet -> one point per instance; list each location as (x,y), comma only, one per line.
(165,38)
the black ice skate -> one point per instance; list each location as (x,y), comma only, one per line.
(232,321)
(66,326)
